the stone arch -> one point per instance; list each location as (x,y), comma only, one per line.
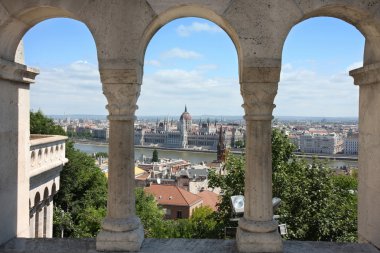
(188,11)
(356,14)
(365,18)
(53,189)
(26,17)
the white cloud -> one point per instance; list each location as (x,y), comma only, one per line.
(181,53)
(166,91)
(303,92)
(154,63)
(185,31)
(70,89)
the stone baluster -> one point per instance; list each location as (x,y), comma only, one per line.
(368,80)
(121,229)
(257,231)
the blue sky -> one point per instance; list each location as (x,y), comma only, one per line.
(192,61)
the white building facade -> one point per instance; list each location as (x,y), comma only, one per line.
(47,156)
(321,144)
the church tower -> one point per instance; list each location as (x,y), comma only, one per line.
(221,148)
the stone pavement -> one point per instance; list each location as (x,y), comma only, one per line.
(175,245)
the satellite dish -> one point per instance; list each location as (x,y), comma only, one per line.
(158,180)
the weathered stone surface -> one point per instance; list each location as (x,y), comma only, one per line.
(175,246)
(120,241)
(122,30)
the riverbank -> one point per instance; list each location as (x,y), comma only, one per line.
(337,157)
(100,143)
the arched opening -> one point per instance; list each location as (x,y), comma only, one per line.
(69,69)
(190,96)
(37,214)
(53,189)
(68,84)
(317,106)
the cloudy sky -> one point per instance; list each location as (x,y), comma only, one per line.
(192,61)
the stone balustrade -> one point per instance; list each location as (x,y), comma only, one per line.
(46,152)
(47,158)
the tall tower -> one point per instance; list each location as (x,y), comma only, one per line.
(184,134)
(185,120)
(221,148)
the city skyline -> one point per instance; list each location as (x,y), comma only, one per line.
(182,66)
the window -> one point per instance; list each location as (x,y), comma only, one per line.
(179,214)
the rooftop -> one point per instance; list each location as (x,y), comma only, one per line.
(173,195)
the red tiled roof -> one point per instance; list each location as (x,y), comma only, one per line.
(209,199)
(173,195)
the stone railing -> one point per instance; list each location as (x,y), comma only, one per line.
(46,152)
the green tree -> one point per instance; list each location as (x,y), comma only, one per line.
(316,204)
(83,192)
(101,154)
(41,124)
(232,184)
(203,223)
(149,212)
(155,156)
(81,200)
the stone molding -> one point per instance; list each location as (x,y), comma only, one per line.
(258,226)
(366,75)
(16,72)
(122,89)
(258,100)
(122,100)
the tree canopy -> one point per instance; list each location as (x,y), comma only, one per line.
(80,203)
(41,124)
(316,204)
(155,156)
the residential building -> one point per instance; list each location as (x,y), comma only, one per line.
(177,202)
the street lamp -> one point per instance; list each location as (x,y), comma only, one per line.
(237,202)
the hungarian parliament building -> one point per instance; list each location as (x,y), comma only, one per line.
(185,134)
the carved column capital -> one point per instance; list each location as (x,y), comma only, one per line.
(367,75)
(258,100)
(17,72)
(122,89)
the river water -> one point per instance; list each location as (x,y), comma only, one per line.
(193,157)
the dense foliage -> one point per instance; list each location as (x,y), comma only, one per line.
(316,204)
(80,203)
(40,124)
(83,193)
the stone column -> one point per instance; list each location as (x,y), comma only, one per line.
(15,80)
(121,229)
(257,231)
(368,79)
(49,222)
(31,224)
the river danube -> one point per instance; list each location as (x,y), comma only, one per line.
(193,157)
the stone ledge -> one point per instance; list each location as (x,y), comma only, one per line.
(56,245)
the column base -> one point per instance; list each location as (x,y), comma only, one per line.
(120,241)
(120,235)
(252,242)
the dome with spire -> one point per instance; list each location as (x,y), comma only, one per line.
(185,115)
